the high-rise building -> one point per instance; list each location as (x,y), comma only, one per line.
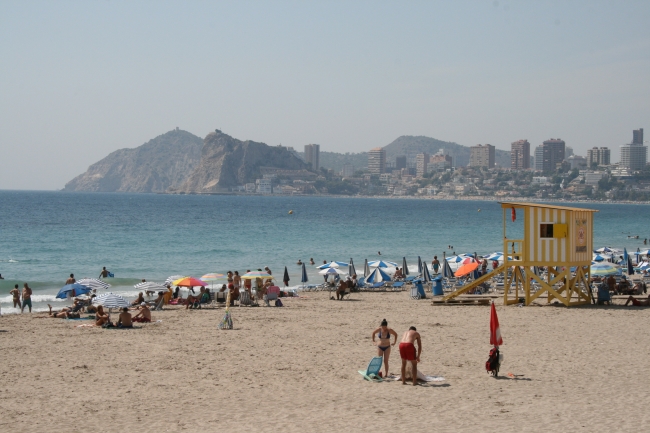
(439,162)
(421,162)
(637,136)
(348,170)
(539,158)
(312,156)
(520,155)
(634,156)
(482,156)
(552,154)
(600,156)
(400,162)
(377,160)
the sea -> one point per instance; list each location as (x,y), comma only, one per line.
(45,236)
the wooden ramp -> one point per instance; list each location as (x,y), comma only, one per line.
(466,288)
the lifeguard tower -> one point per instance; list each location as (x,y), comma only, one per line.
(557,238)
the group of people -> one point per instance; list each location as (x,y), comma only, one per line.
(25,294)
(407,348)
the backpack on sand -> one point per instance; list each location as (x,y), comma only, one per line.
(493,363)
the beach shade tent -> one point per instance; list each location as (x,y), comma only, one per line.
(93,283)
(75,289)
(149,286)
(366,269)
(303,275)
(405,268)
(466,269)
(419,266)
(426,277)
(256,274)
(351,270)
(173,278)
(189,282)
(604,268)
(332,265)
(331,271)
(377,276)
(111,300)
(286,278)
(381,264)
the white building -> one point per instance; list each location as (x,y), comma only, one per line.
(634,156)
(264,186)
(592,177)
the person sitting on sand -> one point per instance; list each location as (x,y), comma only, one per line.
(101,317)
(140,299)
(398,274)
(383,333)
(124,320)
(90,308)
(178,289)
(144,316)
(340,290)
(638,303)
(63,314)
(407,353)
(15,294)
(623,286)
(159,300)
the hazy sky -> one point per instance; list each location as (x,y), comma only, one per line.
(81,79)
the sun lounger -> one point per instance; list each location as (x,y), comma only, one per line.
(220,297)
(245,298)
(372,372)
(398,286)
(272,294)
(411,278)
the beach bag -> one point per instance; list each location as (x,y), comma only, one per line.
(278,303)
(492,364)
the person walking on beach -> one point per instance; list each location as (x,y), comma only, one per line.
(435,264)
(104,273)
(15,293)
(407,353)
(383,334)
(27,298)
(70,280)
(236,280)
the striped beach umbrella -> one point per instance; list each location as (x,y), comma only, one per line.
(366,269)
(189,282)
(446,269)
(173,278)
(331,271)
(93,283)
(332,265)
(149,286)
(419,266)
(212,276)
(377,276)
(405,268)
(381,264)
(351,270)
(111,300)
(604,268)
(426,277)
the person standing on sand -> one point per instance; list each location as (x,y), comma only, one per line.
(407,353)
(15,293)
(70,280)
(383,333)
(27,298)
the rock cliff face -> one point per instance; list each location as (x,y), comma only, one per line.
(227,162)
(162,163)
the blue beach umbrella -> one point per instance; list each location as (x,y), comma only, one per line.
(419,265)
(405,268)
(625,256)
(351,270)
(455,259)
(366,269)
(303,274)
(332,265)
(604,268)
(426,277)
(600,257)
(76,289)
(381,264)
(630,268)
(377,276)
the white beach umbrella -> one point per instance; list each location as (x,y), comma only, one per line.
(173,278)
(111,300)
(149,286)
(332,271)
(93,283)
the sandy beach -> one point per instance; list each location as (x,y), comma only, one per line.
(295,369)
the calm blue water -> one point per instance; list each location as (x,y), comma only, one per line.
(44,236)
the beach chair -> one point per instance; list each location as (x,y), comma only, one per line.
(272,294)
(397,287)
(159,305)
(220,297)
(348,290)
(410,278)
(372,372)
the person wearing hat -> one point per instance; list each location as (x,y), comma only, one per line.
(144,316)
(383,334)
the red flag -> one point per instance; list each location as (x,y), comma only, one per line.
(495,332)
(514,214)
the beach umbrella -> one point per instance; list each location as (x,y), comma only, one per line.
(605,250)
(377,276)
(366,269)
(643,252)
(303,274)
(76,289)
(455,259)
(173,278)
(256,274)
(149,286)
(189,282)
(494,256)
(286,277)
(536,270)
(211,277)
(604,268)
(426,277)
(331,271)
(93,283)
(630,268)
(466,269)
(600,257)
(381,264)
(351,270)
(495,330)
(467,260)
(625,256)
(111,300)
(419,266)
(331,265)
(446,269)
(405,268)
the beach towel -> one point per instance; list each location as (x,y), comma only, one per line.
(424,378)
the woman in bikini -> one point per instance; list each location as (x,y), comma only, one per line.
(383,334)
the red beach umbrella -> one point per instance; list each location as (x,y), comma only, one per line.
(189,282)
(495,332)
(466,269)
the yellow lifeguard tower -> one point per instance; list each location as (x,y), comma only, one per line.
(558,238)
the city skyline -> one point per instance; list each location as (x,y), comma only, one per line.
(81,80)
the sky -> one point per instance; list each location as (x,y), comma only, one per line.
(80,79)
